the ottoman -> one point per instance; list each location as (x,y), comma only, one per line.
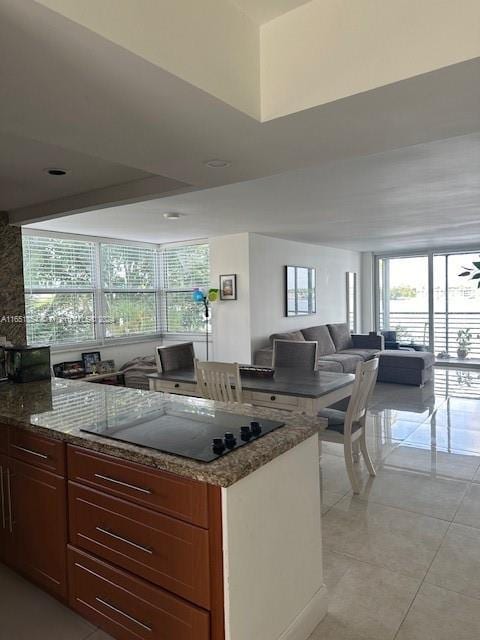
(405,367)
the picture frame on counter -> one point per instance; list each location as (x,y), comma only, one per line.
(90,361)
(228,286)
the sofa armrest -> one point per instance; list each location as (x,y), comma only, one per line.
(263,357)
(368,341)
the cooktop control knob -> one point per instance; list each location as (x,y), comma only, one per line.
(230,440)
(256,428)
(218,445)
(246,433)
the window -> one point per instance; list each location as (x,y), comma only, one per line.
(93,291)
(129,285)
(184,268)
(59,290)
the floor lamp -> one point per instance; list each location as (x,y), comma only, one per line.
(202,296)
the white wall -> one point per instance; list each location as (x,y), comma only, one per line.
(231,319)
(268,257)
(272,544)
(241,327)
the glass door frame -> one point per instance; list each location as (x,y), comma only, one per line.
(429,254)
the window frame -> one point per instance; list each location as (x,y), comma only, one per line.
(99,301)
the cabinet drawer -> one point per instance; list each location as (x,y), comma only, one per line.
(170,494)
(3,438)
(129,608)
(273,399)
(170,553)
(41,452)
(182,388)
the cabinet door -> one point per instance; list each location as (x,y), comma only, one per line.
(39,525)
(5,509)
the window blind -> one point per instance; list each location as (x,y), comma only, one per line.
(57,263)
(184,267)
(128,267)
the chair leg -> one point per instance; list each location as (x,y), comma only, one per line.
(366,455)
(347,448)
(356,451)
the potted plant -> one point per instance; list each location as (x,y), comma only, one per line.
(464,341)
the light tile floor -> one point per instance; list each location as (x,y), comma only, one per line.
(401,560)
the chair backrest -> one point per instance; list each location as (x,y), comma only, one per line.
(291,354)
(176,356)
(365,379)
(216,379)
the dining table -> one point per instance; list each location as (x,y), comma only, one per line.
(287,389)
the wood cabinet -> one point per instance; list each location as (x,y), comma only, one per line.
(142,548)
(40,526)
(167,552)
(129,608)
(161,491)
(33,523)
(6,528)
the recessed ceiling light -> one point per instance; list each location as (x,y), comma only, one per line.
(172,215)
(55,171)
(217,163)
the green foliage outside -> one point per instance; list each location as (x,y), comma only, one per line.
(401,292)
(68,316)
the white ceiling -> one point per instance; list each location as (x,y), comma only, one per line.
(261,11)
(426,195)
(68,88)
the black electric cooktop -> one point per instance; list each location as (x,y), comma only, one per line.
(183,431)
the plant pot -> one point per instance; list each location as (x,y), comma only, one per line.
(462,353)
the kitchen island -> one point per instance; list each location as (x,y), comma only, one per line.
(154,545)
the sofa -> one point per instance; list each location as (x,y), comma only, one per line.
(338,349)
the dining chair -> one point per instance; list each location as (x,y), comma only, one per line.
(348,427)
(293,354)
(219,381)
(175,356)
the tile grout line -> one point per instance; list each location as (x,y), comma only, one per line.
(424,579)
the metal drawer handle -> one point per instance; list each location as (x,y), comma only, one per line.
(9,495)
(122,484)
(4,519)
(33,453)
(122,613)
(177,385)
(140,547)
(273,398)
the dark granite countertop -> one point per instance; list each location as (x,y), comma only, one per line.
(58,409)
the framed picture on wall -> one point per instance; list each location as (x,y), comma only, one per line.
(300,291)
(228,287)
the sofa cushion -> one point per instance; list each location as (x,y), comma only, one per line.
(366,354)
(349,362)
(329,365)
(341,336)
(406,359)
(292,335)
(322,337)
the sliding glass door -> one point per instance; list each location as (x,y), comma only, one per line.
(403,298)
(426,301)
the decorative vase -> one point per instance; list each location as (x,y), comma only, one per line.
(462,353)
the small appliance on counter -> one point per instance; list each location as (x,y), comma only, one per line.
(27,364)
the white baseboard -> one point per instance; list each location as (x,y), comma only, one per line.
(306,621)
